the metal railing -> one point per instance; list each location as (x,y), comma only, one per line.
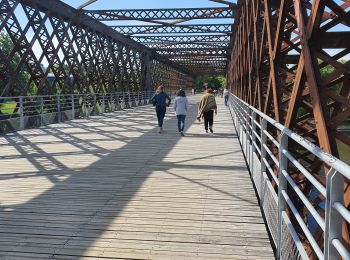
(18,113)
(256,130)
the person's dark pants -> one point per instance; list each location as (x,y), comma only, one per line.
(226,100)
(208,119)
(160,110)
(181,122)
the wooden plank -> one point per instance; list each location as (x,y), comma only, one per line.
(111,188)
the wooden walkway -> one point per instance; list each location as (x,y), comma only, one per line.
(112,188)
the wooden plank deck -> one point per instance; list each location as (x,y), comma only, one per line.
(111,187)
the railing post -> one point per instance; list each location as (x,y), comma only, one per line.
(95,107)
(41,110)
(247,119)
(85,105)
(234,107)
(58,109)
(282,186)
(263,142)
(103,103)
(334,221)
(253,149)
(21,113)
(241,114)
(124,101)
(111,103)
(236,112)
(73,106)
(130,100)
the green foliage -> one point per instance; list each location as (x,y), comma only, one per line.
(8,107)
(6,46)
(214,82)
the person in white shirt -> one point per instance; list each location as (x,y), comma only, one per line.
(180,107)
(226,96)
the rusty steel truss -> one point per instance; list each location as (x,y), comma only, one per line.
(49,47)
(290,59)
(82,55)
(202,48)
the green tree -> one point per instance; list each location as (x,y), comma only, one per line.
(22,77)
(214,82)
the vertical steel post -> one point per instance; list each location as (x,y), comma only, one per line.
(253,149)
(85,105)
(130,100)
(263,167)
(124,101)
(95,105)
(145,72)
(334,221)
(247,135)
(282,186)
(41,110)
(103,103)
(73,106)
(111,103)
(21,113)
(58,109)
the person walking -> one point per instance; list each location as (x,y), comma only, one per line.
(207,107)
(160,100)
(226,96)
(180,107)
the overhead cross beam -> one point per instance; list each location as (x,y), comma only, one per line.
(174,37)
(162,14)
(182,39)
(157,29)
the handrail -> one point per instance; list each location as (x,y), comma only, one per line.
(326,157)
(246,119)
(20,112)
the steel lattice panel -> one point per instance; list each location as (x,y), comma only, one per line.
(158,29)
(82,55)
(161,14)
(282,64)
(165,75)
(171,33)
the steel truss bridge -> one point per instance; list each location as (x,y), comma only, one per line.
(287,68)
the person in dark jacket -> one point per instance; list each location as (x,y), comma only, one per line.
(160,100)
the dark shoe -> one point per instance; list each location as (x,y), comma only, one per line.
(206,131)
(211,130)
(182,134)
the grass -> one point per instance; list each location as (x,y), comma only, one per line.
(8,107)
